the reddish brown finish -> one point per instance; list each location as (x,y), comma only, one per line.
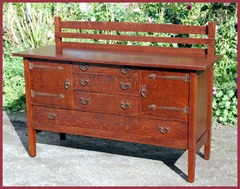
(166,91)
(151,49)
(151,95)
(99,69)
(32,138)
(207,146)
(105,84)
(47,82)
(124,57)
(205,41)
(105,103)
(113,123)
(137,27)
(58,41)
(192,127)
(211,34)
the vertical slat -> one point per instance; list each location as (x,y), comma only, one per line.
(211,34)
(207,146)
(192,128)
(58,40)
(31,131)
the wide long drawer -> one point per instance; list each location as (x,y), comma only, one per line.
(116,104)
(105,84)
(174,133)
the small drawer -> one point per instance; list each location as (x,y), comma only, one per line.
(105,84)
(106,103)
(105,69)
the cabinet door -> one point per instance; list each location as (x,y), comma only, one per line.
(50,82)
(164,94)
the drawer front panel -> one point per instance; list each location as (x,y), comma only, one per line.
(165,94)
(155,129)
(50,83)
(106,103)
(104,69)
(105,84)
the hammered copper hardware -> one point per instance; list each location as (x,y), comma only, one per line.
(125,105)
(51,116)
(83,67)
(84,101)
(184,109)
(182,78)
(84,82)
(67,84)
(125,86)
(103,117)
(125,70)
(34,93)
(164,130)
(143,91)
(58,68)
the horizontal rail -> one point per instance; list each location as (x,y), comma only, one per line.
(203,41)
(157,49)
(135,27)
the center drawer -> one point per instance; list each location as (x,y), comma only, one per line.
(105,84)
(106,103)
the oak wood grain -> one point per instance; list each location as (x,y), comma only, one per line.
(71,121)
(47,83)
(106,103)
(121,57)
(101,69)
(106,84)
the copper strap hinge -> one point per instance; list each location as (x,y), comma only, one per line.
(58,68)
(185,78)
(177,109)
(34,93)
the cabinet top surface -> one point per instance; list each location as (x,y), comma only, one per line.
(128,58)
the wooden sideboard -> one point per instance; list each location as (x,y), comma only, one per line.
(145,94)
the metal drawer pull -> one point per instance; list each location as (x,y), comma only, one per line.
(58,68)
(125,105)
(125,70)
(125,86)
(83,67)
(84,82)
(84,101)
(184,109)
(51,116)
(67,84)
(33,94)
(143,91)
(164,130)
(182,78)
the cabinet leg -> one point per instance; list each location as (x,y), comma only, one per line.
(62,136)
(207,147)
(191,165)
(32,140)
